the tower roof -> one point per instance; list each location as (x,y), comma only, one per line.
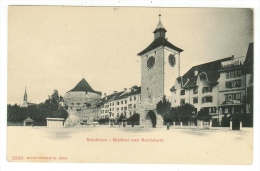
(157,43)
(159,27)
(84,86)
(25,92)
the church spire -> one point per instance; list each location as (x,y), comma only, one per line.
(25,96)
(160,30)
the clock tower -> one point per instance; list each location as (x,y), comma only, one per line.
(160,66)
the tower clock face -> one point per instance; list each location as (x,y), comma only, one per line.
(150,62)
(172,60)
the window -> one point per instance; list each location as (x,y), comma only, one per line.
(233,84)
(130,106)
(130,113)
(125,108)
(134,97)
(207,99)
(234,96)
(117,109)
(109,104)
(195,100)
(125,101)
(134,105)
(227,75)
(117,114)
(206,89)
(130,99)
(195,90)
(122,102)
(122,108)
(117,103)
(182,101)
(233,74)
(182,92)
(212,109)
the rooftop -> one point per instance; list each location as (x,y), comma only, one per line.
(160,41)
(84,86)
(210,70)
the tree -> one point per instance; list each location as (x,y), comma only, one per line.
(121,117)
(168,118)
(134,119)
(52,104)
(50,108)
(163,106)
(202,114)
(225,122)
(183,113)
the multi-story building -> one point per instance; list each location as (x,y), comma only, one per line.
(199,87)
(232,86)
(124,103)
(219,87)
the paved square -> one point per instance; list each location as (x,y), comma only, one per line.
(103,144)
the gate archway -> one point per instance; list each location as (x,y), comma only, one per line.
(152,117)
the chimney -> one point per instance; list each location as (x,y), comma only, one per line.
(105,94)
(130,89)
(125,90)
(115,92)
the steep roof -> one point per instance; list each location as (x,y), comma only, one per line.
(122,94)
(210,70)
(249,61)
(160,41)
(84,86)
(160,27)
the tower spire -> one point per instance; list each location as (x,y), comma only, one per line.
(160,30)
(25,96)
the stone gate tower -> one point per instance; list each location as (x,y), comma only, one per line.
(160,66)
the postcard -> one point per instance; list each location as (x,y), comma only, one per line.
(130,85)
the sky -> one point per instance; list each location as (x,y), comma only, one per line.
(55,47)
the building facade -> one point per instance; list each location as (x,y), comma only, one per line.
(232,86)
(199,87)
(219,87)
(82,104)
(124,103)
(160,63)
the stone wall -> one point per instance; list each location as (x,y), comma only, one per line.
(81,108)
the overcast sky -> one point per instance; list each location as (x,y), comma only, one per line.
(55,47)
